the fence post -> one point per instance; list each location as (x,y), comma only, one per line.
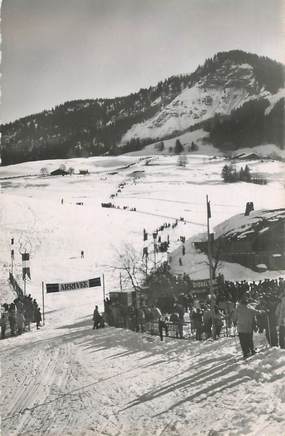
(103,283)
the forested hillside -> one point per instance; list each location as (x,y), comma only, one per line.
(244,82)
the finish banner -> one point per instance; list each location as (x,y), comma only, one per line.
(72,286)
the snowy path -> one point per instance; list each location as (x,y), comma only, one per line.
(73,380)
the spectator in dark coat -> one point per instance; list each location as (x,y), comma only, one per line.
(20,321)
(218,322)
(4,320)
(98,320)
(28,311)
(38,318)
(12,318)
(179,309)
(280,315)
(207,321)
(197,323)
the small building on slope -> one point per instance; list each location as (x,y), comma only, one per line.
(59,172)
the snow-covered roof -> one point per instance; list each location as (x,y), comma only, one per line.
(240,226)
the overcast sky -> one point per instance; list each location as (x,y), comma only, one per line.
(58,50)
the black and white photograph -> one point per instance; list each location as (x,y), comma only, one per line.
(142,218)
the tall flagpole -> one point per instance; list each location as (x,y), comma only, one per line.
(210,268)
(43,301)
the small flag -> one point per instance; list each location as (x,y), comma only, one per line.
(144,235)
(208,210)
(26,265)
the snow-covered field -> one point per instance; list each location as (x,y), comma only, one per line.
(66,379)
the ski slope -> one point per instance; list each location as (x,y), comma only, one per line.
(71,380)
(68,379)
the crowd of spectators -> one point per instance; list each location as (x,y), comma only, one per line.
(194,321)
(187,316)
(262,291)
(18,315)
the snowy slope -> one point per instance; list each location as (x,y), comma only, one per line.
(218,93)
(274,99)
(68,379)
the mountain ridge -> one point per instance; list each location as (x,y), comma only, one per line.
(206,98)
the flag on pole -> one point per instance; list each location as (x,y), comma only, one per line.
(208,209)
(12,248)
(144,235)
(26,265)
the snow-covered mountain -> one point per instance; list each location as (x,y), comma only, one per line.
(216,93)
(237,97)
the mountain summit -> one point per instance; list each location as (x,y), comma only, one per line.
(237,97)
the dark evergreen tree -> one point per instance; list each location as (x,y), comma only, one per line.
(178,147)
(194,147)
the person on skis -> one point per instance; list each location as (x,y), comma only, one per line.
(244,320)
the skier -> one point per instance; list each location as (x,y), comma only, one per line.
(82,254)
(244,319)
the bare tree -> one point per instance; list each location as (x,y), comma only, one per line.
(130,266)
(133,267)
(216,258)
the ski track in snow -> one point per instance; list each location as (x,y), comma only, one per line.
(86,382)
